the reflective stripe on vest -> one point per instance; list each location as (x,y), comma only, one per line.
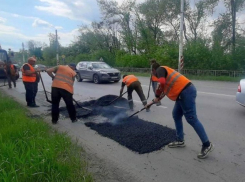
(64,78)
(28,78)
(129,79)
(175,82)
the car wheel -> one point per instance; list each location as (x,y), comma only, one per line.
(78,77)
(96,79)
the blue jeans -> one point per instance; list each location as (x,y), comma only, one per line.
(186,105)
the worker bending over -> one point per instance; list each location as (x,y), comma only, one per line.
(62,87)
(132,84)
(179,89)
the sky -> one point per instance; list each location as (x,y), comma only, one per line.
(24,20)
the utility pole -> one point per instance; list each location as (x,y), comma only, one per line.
(57,55)
(23,52)
(180,62)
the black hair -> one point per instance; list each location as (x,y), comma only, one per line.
(155,66)
(124,76)
(152,61)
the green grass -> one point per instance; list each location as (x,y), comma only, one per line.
(193,77)
(31,151)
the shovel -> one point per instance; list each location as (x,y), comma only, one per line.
(149,87)
(77,104)
(115,99)
(44,89)
(81,106)
(140,110)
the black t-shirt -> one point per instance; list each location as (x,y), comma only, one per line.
(161,72)
(27,67)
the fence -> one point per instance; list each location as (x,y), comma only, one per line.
(191,72)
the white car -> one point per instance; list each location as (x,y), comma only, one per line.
(240,95)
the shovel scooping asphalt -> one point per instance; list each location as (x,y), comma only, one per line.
(77,104)
(81,106)
(44,89)
(140,110)
(106,103)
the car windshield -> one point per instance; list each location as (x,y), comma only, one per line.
(100,66)
(3,56)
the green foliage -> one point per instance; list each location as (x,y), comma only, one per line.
(31,151)
(167,55)
(127,60)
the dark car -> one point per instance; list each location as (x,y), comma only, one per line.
(3,59)
(97,72)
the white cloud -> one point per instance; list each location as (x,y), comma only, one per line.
(2,20)
(7,29)
(67,38)
(57,8)
(41,23)
(58,27)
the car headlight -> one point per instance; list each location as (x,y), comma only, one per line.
(103,72)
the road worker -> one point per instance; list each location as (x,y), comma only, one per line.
(11,72)
(30,80)
(154,82)
(180,89)
(62,87)
(132,84)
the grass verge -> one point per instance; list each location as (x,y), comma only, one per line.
(193,77)
(31,151)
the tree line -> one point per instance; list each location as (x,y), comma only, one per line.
(131,34)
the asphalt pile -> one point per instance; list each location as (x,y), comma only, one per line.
(112,121)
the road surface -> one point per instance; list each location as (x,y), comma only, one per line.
(222,117)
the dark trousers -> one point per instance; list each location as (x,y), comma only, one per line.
(11,78)
(137,87)
(57,94)
(31,92)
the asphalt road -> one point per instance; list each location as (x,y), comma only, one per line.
(217,109)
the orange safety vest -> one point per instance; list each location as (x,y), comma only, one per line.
(28,78)
(154,78)
(175,83)
(129,79)
(12,70)
(64,78)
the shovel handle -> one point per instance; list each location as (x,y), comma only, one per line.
(117,98)
(44,89)
(140,110)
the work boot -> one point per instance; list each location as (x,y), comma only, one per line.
(176,144)
(54,122)
(33,105)
(205,151)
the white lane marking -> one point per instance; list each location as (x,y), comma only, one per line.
(164,107)
(216,94)
(209,93)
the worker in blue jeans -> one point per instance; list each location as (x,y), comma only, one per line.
(180,89)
